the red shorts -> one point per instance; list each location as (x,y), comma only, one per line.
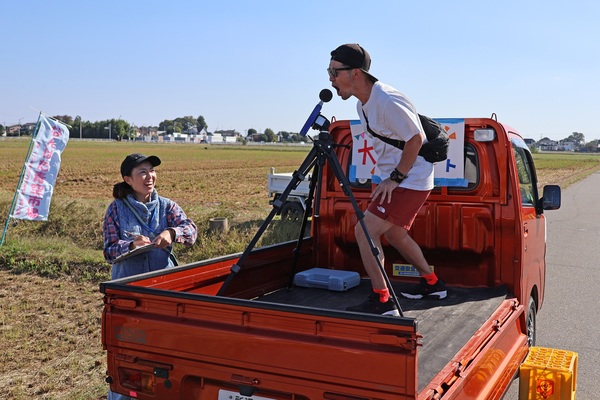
(403,208)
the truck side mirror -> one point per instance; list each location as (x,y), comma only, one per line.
(551,198)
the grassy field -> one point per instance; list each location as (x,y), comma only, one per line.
(50,307)
(207,181)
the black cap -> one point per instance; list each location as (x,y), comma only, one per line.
(353,55)
(133,160)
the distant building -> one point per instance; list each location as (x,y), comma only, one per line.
(547,145)
(255,137)
(566,145)
(147,131)
(223,136)
(227,133)
(30,127)
(214,138)
(13,130)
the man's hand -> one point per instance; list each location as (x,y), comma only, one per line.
(384,191)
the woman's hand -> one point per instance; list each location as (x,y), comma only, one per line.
(165,238)
(139,241)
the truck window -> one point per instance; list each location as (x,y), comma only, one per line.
(471,164)
(526,180)
(471,169)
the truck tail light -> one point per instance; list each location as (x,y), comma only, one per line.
(138,381)
(484,135)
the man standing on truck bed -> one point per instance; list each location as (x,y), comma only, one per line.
(397,199)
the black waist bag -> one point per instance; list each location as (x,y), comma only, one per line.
(436,148)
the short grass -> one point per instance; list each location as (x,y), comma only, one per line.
(207,181)
(564,169)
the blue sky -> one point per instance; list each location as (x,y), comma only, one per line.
(261,64)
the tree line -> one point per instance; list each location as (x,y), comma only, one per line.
(269,136)
(118,129)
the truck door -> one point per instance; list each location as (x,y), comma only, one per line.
(533,227)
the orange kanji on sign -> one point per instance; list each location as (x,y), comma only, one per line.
(545,388)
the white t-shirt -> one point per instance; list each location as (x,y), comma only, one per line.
(392,115)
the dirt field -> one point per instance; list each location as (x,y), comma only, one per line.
(50,339)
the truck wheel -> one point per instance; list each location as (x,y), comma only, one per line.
(531,322)
(292,211)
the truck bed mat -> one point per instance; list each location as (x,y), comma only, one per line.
(446,325)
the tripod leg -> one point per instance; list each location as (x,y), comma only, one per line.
(315,186)
(316,176)
(345,184)
(297,177)
(320,163)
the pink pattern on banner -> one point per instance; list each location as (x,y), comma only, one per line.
(41,169)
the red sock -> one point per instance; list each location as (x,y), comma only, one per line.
(431,278)
(384,294)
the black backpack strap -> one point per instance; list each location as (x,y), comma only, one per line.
(394,142)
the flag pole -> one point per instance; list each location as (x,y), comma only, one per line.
(12,206)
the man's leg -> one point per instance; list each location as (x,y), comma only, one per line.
(379,302)
(376,227)
(430,285)
(408,248)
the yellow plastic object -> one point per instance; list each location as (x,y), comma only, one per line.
(548,374)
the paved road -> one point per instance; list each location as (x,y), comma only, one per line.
(569,318)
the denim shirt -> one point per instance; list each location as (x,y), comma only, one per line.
(153,214)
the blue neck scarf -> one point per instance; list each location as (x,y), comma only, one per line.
(147,213)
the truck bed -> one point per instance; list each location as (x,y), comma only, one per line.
(183,301)
(446,325)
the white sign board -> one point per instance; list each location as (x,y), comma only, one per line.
(449,172)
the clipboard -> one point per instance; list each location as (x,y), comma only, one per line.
(138,250)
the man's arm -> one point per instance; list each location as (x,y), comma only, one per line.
(409,154)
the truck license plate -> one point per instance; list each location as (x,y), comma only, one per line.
(229,395)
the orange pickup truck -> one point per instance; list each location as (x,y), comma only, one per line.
(235,328)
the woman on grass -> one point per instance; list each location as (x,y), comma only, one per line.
(138,217)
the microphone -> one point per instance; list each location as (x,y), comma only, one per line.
(325,95)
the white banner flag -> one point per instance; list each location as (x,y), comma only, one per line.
(41,169)
(449,172)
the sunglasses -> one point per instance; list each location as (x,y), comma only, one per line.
(333,72)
